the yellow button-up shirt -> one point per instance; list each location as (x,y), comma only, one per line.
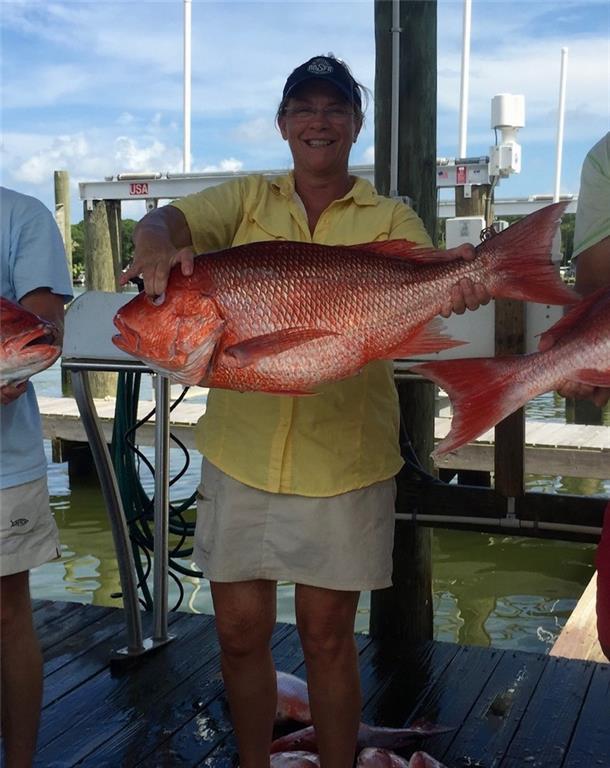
(344,438)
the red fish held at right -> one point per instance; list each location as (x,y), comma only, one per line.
(483,391)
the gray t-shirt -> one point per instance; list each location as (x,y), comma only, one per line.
(31,256)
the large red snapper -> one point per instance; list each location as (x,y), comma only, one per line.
(483,391)
(27,343)
(283,317)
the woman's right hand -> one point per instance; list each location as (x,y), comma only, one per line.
(155,251)
(154,263)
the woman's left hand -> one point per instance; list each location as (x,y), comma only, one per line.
(465,294)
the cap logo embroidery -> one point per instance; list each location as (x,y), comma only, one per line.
(320,67)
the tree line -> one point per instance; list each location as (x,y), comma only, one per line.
(78,245)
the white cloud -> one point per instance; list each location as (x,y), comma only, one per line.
(229,165)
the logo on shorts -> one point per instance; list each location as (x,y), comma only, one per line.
(19,522)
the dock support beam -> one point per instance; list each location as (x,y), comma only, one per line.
(402,614)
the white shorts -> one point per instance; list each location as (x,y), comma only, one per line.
(28,533)
(341,542)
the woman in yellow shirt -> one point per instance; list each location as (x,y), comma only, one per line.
(295,489)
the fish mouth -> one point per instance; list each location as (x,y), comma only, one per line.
(126,339)
(40,340)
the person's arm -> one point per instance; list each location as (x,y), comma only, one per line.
(593,267)
(592,272)
(162,239)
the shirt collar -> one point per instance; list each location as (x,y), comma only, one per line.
(362,193)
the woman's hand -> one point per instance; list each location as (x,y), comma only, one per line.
(153,263)
(465,294)
(599,396)
(162,239)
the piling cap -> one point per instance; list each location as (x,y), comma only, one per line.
(325,68)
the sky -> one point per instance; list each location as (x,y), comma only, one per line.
(95,87)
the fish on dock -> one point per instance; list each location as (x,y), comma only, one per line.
(27,343)
(292,699)
(370,757)
(368,736)
(298,759)
(483,391)
(373,757)
(285,317)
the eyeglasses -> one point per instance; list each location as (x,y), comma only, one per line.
(332,114)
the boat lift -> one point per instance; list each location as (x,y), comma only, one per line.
(88,347)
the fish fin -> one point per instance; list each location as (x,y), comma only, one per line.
(575,316)
(425,339)
(405,250)
(592,376)
(522,258)
(248,352)
(483,391)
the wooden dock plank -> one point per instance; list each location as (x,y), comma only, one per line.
(71,732)
(578,638)
(495,716)
(186,724)
(509,708)
(590,745)
(552,448)
(550,718)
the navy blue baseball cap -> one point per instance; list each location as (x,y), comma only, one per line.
(328,69)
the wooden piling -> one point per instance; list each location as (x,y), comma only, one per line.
(102,268)
(402,614)
(62,217)
(62,212)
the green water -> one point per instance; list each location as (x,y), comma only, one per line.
(488,590)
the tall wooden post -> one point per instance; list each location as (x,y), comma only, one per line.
(402,614)
(102,260)
(63,219)
(62,212)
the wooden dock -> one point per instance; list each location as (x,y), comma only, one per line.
(578,639)
(571,450)
(508,709)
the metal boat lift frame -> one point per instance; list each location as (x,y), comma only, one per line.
(87,349)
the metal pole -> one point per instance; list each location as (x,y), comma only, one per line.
(114,505)
(395,96)
(186,161)
(161,509)
(560,120)
(465,78)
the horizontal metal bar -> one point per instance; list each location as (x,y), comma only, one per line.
(104,365)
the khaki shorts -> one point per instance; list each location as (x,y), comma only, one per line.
(341,542)
(28,534)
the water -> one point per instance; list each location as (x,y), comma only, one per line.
(488,590)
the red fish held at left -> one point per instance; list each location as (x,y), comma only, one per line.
(27,343)
(284,317)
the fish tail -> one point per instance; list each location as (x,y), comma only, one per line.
(483,391)
(521,259)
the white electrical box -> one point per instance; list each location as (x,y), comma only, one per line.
(504,159)
(463,229)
